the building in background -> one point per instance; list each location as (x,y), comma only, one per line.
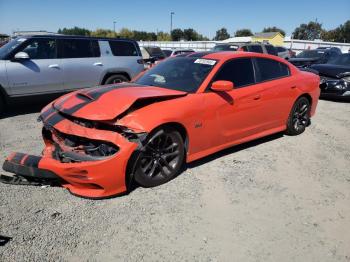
(275,38)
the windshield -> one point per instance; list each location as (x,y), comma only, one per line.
(311,54)
(179,73)
(225,48)
(7,48)
(343,59)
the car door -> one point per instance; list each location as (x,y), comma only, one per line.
(40,74)
(276,89)
(81,62)
(238,113)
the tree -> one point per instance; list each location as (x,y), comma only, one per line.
(344,32)
(274,29)
(310,31)
(339,34)
(222,34)
(190,34)
(177,34)
(243,32)
(162,36)
(126,33)
(74,31)
(103,33)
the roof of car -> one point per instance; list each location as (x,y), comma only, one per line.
(74,37)
(229,54)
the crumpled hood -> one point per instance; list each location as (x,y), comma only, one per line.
(108,102)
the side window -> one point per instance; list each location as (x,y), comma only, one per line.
(270,69)
(271,49)
(123,48)
(41,48)
(78,48)
(239,71)
(245,48)
(95,48)
(255,49)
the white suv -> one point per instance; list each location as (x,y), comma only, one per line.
(48,64)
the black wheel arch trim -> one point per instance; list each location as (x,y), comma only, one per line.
(110,73)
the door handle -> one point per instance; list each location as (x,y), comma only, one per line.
(293,87)
(98,64)
(257,97)
(54,66)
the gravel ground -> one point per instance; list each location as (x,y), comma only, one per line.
(276,199)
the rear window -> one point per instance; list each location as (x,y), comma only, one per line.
(255,49)
(271,49)
(123,48)
(79,48)
(270,69)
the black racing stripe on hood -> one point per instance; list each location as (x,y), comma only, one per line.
(47,113)
(89,97)
(17,158)
(54,119)
(99,91)
(32,161)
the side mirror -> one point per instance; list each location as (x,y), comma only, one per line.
(21,56)
(222,86)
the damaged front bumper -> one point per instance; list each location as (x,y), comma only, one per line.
(89,162)
(26,170)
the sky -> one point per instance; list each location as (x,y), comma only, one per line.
(204,16)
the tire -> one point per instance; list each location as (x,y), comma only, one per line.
(160,159)
(299,117)
(114,79)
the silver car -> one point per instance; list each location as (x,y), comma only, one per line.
(40,65)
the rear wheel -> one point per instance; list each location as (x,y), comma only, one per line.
(299,117)
(160,159)
(115,79)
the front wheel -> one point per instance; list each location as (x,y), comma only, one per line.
(160,159)
(299,117)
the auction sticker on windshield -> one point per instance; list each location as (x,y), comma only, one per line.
(205,61)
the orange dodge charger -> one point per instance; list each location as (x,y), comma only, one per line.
(101,140)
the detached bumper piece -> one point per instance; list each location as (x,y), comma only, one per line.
(25,168)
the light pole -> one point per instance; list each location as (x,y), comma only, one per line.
(114,22)
(171,21)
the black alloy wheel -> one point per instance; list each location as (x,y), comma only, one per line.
(299,117)
(160,159)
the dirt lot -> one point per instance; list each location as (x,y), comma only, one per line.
(277,199)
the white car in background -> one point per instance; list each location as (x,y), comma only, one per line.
(54,64)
